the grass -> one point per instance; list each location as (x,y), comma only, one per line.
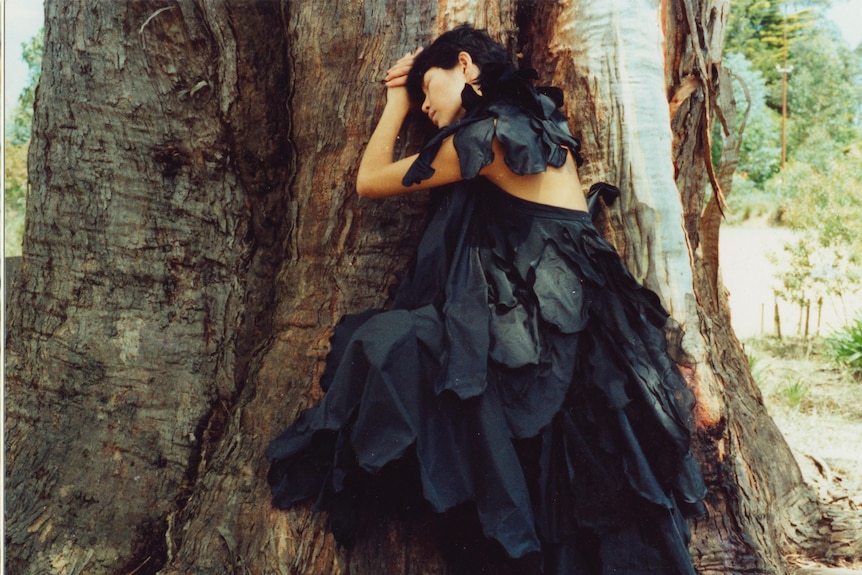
(845,347)
(752,206)
(794,392)
(747,201)
(816,403)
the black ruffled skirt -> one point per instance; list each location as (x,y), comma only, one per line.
(522,371)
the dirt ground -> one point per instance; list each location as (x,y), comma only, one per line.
(817,406)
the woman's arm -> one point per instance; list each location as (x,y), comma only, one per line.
(379,174)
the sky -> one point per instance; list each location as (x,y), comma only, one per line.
(23,18)
(847,14)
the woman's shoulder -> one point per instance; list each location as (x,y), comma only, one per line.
(526,122)
(533,134)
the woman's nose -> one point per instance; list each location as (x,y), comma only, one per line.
(426,106)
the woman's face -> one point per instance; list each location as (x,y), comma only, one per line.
(442,90)
(443,87)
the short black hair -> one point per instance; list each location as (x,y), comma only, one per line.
(443,53)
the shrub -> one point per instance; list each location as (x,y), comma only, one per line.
(845,346)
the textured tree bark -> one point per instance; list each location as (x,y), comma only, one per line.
(155,221)
(192,237)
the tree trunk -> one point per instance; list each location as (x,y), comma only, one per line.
(762,510)
(154,231)
(192,236)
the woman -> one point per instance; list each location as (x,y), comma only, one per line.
(521,376)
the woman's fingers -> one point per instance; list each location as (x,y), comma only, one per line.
(397,74)
(397,82)
(408,57)
(400,68)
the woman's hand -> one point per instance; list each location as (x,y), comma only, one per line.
(379,174)
(396,76)
(396,80)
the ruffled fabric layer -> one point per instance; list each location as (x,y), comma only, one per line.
(533,132)
(525,370)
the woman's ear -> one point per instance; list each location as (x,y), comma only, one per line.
(468,67)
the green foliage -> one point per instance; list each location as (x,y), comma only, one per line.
(845,346)
(16,195)
(824,91)
(748,201)
(757,366)
(826,199)
(819,186)
(756,29)
(16,145)
(18,130)
(794,392)
(808,270)
(760,154)
(779,386)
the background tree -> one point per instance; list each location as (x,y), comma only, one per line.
(825,100)
(15,190)
(18,130)
(17,138)
(762,30)
(193,235)
(760,152)
(823,202)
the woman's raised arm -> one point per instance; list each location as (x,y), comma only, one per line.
(380,174)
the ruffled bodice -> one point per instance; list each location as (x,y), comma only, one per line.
(532,131)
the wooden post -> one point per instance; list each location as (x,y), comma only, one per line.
(777,319)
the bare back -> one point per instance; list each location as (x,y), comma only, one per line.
(558,187)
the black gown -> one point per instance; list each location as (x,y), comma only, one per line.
(521,371)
